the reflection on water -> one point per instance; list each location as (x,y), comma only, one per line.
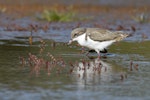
(90,79)
(98,71)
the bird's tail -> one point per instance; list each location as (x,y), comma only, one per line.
(122,36)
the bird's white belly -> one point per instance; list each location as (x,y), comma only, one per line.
(93,44)
(98,45)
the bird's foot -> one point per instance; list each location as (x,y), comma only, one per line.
(99,57)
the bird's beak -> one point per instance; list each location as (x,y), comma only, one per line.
(70,42)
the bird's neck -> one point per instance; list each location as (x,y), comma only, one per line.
(82,39)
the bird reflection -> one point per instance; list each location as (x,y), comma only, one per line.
(95,71)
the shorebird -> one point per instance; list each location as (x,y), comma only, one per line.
(96,38)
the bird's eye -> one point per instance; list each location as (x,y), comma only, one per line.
(75,35)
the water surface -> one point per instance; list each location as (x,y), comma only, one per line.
(17,82)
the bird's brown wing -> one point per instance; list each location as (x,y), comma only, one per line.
(101,34)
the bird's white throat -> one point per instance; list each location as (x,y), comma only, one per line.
(96,45)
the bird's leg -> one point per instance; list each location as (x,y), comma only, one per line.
(105,53)
(99,55)
(87,53)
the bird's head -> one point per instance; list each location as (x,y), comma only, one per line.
(75,33)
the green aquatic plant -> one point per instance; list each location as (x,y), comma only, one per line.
(2,10)
(57,16)
(141,18)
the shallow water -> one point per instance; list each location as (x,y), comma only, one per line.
(110,78)
(17,82)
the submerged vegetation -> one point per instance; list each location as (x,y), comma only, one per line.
(46,61)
